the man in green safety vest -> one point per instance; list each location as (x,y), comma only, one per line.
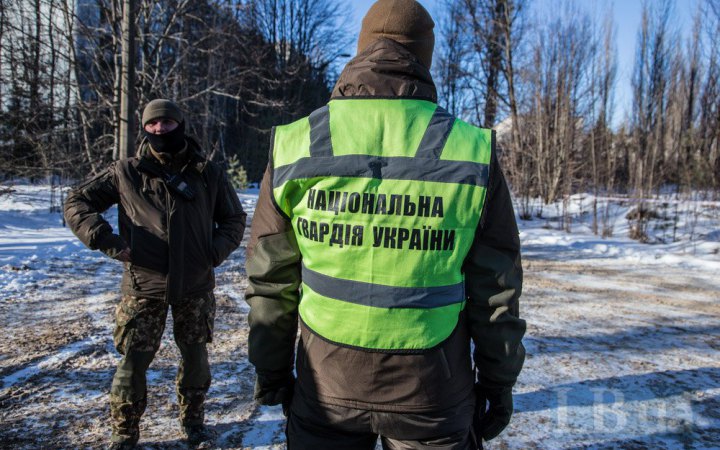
(385,232)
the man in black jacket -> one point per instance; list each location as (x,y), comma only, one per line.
(348,395)
(178,219)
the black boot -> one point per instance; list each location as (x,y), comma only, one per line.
(198,434)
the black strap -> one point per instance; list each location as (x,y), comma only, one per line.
(175,182)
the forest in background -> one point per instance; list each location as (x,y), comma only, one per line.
(547,85)
(236,68)
(545,82)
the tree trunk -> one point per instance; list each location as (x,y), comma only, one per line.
(127,92)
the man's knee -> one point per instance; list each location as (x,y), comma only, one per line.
(194,370)
(129,383)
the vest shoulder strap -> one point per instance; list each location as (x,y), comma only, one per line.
(431,145)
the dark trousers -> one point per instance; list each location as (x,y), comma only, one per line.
(140,323)
(316,426)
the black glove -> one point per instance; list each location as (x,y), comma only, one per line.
(271,389)
(493,409)
(112,245)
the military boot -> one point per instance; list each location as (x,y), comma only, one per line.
(125,418)
(198,435)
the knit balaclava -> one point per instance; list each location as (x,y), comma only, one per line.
(173,141)
(403,21)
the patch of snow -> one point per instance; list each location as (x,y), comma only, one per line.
(267,427)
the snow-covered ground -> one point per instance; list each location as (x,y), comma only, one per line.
(623,338)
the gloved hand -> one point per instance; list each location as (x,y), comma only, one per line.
(115,247)
(493,409)
(275,389)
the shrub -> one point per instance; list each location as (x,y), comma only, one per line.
(236,173)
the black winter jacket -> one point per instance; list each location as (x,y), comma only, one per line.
(175,241)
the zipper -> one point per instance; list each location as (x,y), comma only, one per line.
(167,232)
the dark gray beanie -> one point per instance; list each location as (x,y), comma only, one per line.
(161,108)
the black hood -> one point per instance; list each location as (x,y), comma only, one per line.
(386,69)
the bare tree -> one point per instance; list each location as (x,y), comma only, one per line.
(452,57)
(127,130)
(306,37)
(559,79)
(708,151)
(650,80)
(603,154)
(479,45)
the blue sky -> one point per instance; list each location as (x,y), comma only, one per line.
(627,14)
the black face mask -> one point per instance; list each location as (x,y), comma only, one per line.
(170,142)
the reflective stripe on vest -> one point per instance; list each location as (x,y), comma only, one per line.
(384,197)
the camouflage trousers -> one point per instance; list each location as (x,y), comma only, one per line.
(139,326)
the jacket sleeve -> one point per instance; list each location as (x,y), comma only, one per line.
(273,269)
(493,283)
(230,219)
(86,203)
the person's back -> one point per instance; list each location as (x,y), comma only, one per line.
(380,197)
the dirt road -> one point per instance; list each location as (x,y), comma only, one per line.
(616,359)
(619,356)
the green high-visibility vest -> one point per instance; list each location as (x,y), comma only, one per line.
(384,197)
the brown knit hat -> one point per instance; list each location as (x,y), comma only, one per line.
(403,21)
(161,108)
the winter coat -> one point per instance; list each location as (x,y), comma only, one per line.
(175,241)
(434,380)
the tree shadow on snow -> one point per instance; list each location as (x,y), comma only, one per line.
(626,388)
(644,338)
(686,435)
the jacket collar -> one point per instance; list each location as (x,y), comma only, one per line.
(385,69)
